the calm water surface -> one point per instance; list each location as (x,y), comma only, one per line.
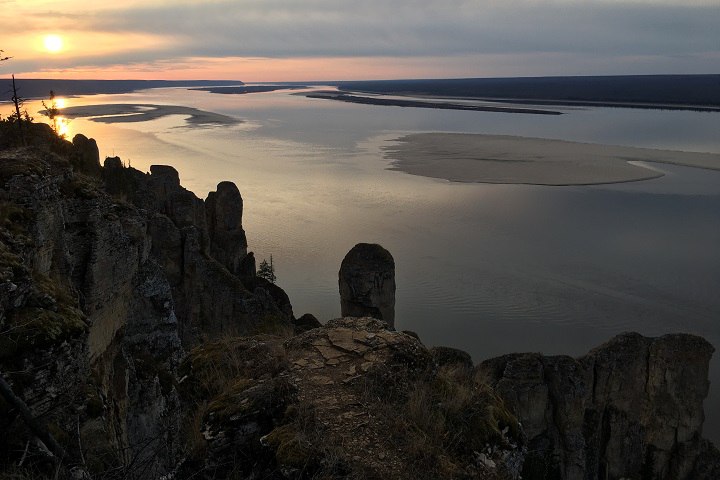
(489,269)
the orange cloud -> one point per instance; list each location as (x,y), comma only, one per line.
(268,69)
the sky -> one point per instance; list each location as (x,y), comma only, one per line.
(303,40)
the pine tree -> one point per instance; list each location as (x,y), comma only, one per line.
(267,270)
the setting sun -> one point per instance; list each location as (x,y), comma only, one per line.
(53,43)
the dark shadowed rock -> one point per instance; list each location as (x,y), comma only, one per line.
(247,268)
(412,334)
(202,248)
(367,283)
(113,163)
(102,288)
(223,210)
(279,298)
(85,155)
(631,408)
(166,172)
(306,322)
(447,356)
(167,196)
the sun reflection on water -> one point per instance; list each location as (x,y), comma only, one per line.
(63,126)
(59,123)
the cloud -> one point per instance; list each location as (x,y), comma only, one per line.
(286,29)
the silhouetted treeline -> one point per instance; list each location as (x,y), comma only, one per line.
(692,90)
(39,88)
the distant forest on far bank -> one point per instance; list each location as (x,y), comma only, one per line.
(40,88)
(685,90)
(653,91)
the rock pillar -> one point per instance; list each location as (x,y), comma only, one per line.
(228,244)
(367,283)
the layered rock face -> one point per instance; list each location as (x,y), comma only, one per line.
(203,249)
(92,328)
(367,283)
(631,408)
(101,294)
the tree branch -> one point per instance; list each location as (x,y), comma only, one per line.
(37,429)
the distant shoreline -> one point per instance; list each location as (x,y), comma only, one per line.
(34,88)
(590,103)
(661,92)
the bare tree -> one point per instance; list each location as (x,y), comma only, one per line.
(18,101)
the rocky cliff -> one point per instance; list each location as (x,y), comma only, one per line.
(108,276)
(631,408)
(136,342)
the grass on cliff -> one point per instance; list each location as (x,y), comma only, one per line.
(213,372)
(442,416)
(14,218)
(16,162)
(49,315)
(301,443)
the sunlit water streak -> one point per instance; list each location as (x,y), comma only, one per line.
(487,268)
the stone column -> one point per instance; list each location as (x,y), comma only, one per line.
(367,283)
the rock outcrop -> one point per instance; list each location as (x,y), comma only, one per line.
(227,238)
(85,155)
(350,399)
(367,283)
(632,408)
(203,249)
(91,304)
(306,322)
(107,276)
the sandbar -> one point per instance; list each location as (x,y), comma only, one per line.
(141,112)
(245,89)
(479,158)
(415,103)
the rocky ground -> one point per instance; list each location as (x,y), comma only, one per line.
(350,399)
